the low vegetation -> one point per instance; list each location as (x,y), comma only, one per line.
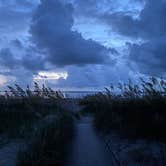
(49,143)
(37,118)
(19,109)
(134,110)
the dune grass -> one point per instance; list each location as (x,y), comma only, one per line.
(49,143)
(136,110)
(37,118)
(20,109)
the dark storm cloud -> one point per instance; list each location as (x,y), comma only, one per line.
(150,56)
(150,27)
(150,24)
(33,63)
(51,31)
(122,23)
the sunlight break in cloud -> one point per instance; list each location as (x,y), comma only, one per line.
(3,80)
(51,75)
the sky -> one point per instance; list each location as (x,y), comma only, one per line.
(81,43)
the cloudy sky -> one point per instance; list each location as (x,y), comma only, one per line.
(81,43)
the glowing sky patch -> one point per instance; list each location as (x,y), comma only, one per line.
(51,75)
(3,80)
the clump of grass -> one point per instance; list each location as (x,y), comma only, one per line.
(137,110)
(37,116)
(49,144)
(19,108)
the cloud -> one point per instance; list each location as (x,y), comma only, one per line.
(29,62)
(7,59)
(150,56)
(3,80)
(98,76)
(150,27)
(33,63)
(94,9)
(55,44)
(51,31)
(17,43)
(12,20)
(15,16)
(20,76)
(150,23)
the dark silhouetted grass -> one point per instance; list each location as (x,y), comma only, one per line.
(19,109)
(138,110)
(49,143)
(37,116)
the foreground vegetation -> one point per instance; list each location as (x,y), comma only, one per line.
(133,110)
(19,109)
(36,117)
(49,143)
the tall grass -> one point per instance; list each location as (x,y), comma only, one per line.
(37,117)
(135,110)
(38,92)
(49,143)
(19,108)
